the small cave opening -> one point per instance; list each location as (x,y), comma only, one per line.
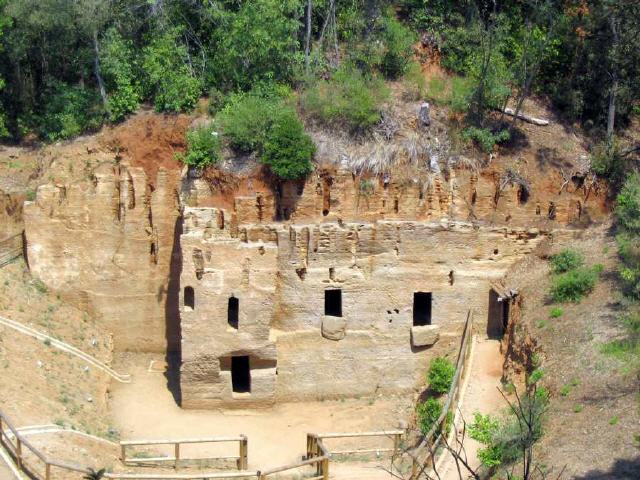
(233,311)
(189,298)
(241,374)
(422,308)
(523,195)
(451,277)
(333,302)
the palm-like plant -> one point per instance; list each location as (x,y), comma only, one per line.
(94,474)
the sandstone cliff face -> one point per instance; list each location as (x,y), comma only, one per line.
(277,277)
(107,243)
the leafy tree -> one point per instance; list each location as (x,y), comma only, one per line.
(256,42)
(398,47)
(171,80)
(68,111)
(121,75)
(288,150)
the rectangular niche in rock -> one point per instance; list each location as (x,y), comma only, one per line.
(333,302)
(233,310)
(189,298)
(421,308)
(240,374)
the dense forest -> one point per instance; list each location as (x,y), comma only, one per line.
(68,66)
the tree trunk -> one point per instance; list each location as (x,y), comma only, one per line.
(611,114)
(307,47)
(96,69)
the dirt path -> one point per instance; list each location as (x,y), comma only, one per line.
(277,436)
(481,395)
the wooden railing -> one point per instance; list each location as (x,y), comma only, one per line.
(317,456)
(241,458)
(423,455)
(395,435)
(11,248)
(54,342)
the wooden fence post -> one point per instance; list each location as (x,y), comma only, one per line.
(176,454)
(19,452)
(47,471)
(123,453)
(325,469)
(243,462)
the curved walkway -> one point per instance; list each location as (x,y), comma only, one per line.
(480,395)
(65,347)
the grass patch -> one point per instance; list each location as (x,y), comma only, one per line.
(349,100)
(542,324)
(577,408)
(556,312)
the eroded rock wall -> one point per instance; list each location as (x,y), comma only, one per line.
(106,243)
(279,273)
(330,195)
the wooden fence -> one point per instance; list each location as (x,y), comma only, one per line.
(11,248)
(38,466)
(394,435)
(317,456)
(241,458)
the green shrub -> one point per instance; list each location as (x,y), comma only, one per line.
(428,413)
(440,375)
(483,429)
(414,82)
(69,111)
(203,147)
(556,312)
(573,285)
(504,439)
(120,75)
(170,79)
(398,47)
(288,150)
(485,138)
(566,260)
(247,118)
(628,205)
(217,101)
(349,99)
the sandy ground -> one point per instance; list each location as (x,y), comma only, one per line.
(481,395)
(277,436)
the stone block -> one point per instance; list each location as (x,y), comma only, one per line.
(334,328)
(425,335)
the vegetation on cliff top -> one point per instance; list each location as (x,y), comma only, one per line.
(68,66)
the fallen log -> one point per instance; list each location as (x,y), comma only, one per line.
(541,122)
